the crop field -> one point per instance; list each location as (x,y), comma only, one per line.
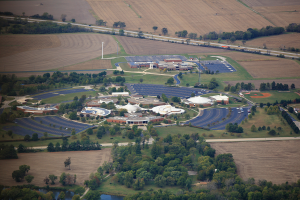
(136,46)
(194,16)
(260,66)
(258,82)
(73,49)
(77,9)
(88,65)
(43,164)
(276,161)
(274,42)
(281,13)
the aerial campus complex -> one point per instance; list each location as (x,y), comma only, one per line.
(149,99)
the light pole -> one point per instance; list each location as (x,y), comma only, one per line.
(102,50)
(117,48)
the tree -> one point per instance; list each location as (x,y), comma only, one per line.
(141,80)
(21,148)
(291,110)
(140,34)
(89,131)
(61,196)
(293,86)
(62,178)
(46,180)
(68,162)
(35,137)
(73,20)
(27,138)
(160,181)
(164,31)
(92,195)
(138,184)
(76,197)
(73,115)
(23,13)
(17,175)
(29,178)
(154,28)
(253,128)
(24,169)
(50,147)
(63,17)
(52,177)
(170,80)
(121,32)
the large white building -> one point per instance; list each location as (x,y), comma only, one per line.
(130,108)
(198,100)
(167,110)
(95,111)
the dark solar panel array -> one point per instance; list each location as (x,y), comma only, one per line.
(53,94)
(21,131)
(216,65)
(60,122)
(154,90)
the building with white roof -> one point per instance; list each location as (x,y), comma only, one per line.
(120,93)
(130,108)
(167,110)
(95,111)
(220,98)
(198,100)
(38,110)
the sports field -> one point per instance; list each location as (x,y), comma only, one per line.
(276,161)
(77,9)
(274,95)
(194,16)
(43,164)
(65,50)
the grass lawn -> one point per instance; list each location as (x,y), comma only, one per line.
(164,131)
(262,119)
(147,79)
(67,97)
(275,95)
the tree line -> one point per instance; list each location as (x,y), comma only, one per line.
(289,120)
(84,145)
(274,86)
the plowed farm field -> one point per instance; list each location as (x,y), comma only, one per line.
(91,64)
(276,161)
(195,16)
(260,66)
(77,9)
(52,52)
(281,13)
(275,42)
(137,46)
(43,164)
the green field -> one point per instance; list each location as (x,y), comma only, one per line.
(275,95)
(68,97)
(262,119)
(147,79)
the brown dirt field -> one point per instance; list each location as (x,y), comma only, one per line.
(194,16)
(260,66)
(43,164)
(276,161)
(77,9)
(137,46)
(275,42)
(91,64)
(258,82)
(74,48)
(281,13)
(14,44)
(265,95)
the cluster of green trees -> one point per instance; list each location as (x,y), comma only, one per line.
(271,110)
(245,35)
(289,120)
(213,83)
(24,193)
(19,26)
(293,27)
(45,16)
(8,152)
(119,24)
(274,86)
(234,128)
(100,22)
(19,174)
(84,145)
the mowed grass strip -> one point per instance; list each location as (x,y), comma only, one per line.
(68,97)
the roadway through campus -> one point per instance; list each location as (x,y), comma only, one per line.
(170,39)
